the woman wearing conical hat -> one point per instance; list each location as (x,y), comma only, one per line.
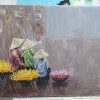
(41,66)
(28,53)
(15,58)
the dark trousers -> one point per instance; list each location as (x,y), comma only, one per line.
(44,80)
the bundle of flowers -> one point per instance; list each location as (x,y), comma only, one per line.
(59,75)
(4,66)
(24,75)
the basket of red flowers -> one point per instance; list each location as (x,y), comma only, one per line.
(59,76)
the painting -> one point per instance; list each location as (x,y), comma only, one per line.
(66,41)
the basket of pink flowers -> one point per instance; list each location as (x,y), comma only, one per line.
(59,76)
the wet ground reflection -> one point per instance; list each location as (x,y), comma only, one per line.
(70,87)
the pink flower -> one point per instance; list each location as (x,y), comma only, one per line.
(62,74)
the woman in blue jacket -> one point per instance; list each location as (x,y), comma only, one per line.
(42,67)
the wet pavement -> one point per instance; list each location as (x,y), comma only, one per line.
(71,87)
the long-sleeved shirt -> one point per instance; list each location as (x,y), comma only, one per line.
(42,67)
(28,56)
(15,60)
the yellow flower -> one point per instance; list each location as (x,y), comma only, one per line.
(4,66)
(24,75)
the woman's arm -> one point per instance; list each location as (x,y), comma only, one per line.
(17,57)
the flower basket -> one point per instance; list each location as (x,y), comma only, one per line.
(4,69)
(59,76)
(24,75)
(60,80)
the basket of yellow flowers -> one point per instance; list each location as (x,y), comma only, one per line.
(4,69)
(24,76)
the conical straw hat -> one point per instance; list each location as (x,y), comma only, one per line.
(16,42)
(28,44)
(41,54)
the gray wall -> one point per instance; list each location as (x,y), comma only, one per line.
(79,53)
(65,21)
